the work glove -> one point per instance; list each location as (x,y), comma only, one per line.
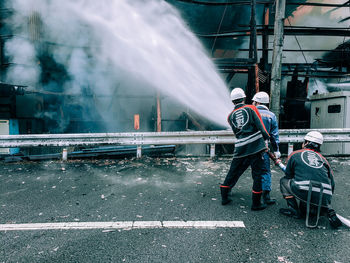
(277,154)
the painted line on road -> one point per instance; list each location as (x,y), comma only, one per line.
(124,225)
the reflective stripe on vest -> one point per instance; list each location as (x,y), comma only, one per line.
(254,137)
(307,182)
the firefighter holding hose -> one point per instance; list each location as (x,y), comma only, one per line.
(249,129)
(309,179)
(261,100)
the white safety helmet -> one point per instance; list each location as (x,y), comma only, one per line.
(237,93)
(262,97)
(314,136)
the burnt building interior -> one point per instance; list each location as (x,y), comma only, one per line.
(238,43)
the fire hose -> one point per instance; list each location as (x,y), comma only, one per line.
(279,163)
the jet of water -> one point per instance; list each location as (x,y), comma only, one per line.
(102,43)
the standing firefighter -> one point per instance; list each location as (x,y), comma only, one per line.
(261,101)
(251,134)
(309,178)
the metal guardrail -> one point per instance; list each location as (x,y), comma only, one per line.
(289,136)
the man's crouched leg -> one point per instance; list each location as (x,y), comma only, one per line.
(293,209)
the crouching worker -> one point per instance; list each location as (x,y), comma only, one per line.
(251,134)
(308,185)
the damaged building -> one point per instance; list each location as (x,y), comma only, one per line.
(77,73)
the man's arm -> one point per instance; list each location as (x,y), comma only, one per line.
(229,120)
(274,136)
(329,170)
(330,175)
(290,172)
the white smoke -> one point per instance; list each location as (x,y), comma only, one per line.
(314,16)
(110,43)
(316,86)
(22,53)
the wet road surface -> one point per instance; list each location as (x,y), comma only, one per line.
(156,189)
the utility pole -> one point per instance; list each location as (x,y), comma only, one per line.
(253,78)
(276,76)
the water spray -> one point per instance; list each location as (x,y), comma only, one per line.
(119,47)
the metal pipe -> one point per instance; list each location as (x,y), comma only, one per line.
(64,155)
(212,3)
(159,114)
(290,31)
(138,151)
(212,150)
(265,38)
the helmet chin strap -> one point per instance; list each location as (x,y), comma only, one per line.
(311,145)
(305,143)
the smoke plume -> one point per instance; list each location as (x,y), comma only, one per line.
(110,49)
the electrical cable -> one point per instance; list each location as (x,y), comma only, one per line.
(302,52)
(219,28)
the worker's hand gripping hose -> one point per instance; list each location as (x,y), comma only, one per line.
(277,161)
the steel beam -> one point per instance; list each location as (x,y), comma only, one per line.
(214,3)
(288,30)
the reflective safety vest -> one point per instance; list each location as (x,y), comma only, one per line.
(309,170)
(249,129)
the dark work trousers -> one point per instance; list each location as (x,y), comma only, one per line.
(285,187)
(266,177)
(238,167)
(286,191)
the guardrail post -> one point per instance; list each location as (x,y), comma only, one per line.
(212,150)
(290,148)
(138,151)
(64,155)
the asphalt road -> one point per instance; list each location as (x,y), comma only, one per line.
(152,189)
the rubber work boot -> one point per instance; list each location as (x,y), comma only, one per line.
(224,195)
(333,219)
(292,210)
(257,205)
(267,199)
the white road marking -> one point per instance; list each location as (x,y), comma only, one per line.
(124,225)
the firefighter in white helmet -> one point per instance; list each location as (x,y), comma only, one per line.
(308,172)
(251,134)
(261,100)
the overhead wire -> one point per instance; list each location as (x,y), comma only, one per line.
(219,28)
(302,52)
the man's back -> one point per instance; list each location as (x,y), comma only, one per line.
(305,166)
(271,125)
(249,130)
